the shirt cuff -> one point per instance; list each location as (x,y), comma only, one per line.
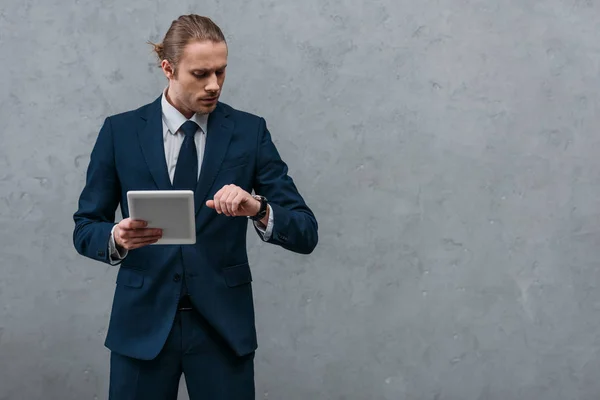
(115,255)
(266,231)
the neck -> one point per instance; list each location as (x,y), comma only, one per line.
(184,111)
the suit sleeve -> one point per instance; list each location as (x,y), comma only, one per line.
(95,216)
(295,226)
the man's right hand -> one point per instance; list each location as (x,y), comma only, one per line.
(132,234)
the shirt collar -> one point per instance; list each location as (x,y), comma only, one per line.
(174,119)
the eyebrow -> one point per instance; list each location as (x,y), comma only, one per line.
(202,70)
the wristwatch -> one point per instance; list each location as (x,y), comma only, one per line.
(263,208)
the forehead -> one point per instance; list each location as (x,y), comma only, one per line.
(204,55)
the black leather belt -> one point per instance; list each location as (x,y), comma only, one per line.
(185,304)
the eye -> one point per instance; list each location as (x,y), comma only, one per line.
(220,72)
(199,75)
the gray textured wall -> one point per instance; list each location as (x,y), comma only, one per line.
(449,149)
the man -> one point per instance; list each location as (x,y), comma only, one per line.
(187,309)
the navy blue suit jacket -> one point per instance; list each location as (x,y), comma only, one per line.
(129,155)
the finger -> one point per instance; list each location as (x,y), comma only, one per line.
(129,223)
(145,233)
(220,192)
(235,204)
(134,243)
(143,240)
(220,197)
(229,202)
(219,200)
(142,244)
(137,224)
(139,233)
(210,204)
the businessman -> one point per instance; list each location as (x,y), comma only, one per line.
(187,309)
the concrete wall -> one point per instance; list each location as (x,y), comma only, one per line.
(449,149)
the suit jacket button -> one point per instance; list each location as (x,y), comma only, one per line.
(101,253)
(176,278)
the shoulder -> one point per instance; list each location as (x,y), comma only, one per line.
(240,115)
(134,115)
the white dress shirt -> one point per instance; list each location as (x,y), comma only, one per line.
(172,120)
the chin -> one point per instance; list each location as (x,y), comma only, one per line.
(206,110)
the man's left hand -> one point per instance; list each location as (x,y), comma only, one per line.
(234,201)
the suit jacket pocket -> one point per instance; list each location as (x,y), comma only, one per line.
(237,275)
(130,277)
(234,162)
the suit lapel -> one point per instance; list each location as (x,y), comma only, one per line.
(152,143)
(220,129)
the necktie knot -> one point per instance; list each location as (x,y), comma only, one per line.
(189,128)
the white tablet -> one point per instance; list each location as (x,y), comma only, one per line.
(170,210)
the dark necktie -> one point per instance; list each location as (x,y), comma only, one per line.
(186,170)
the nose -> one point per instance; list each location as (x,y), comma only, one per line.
(213,84)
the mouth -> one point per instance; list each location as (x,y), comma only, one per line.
(209,100)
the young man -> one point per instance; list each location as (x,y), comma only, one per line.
(187,309)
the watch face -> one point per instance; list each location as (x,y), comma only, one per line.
(262,199)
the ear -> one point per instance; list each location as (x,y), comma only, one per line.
(168,69)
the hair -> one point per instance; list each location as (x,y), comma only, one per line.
(186,29)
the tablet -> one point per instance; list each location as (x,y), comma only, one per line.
(170,210)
